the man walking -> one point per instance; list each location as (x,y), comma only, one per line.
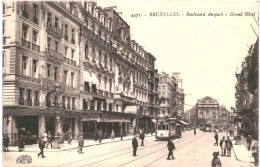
(21,143)
(41,146)
(69,136)
(81,143)
(249,142)
(100,135)
(142,138)
(223,146)
(6,141)
(171,147)
(216,138)
(195,131)
(229,146)
(49,139)
(135,145)
(112,135)
(121,133)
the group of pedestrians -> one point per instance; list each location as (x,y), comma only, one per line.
(226,146)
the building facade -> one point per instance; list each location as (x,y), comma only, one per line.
(72,65)
(171,94)
(246,113)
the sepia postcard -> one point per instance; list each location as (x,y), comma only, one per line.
(130,83)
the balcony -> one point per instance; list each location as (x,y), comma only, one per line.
(35,47)
(54,31)
(111,94)
(21,101)
(100,92)
(29,102)
(54,54)
(69,61)
(85,29)
(36,103)
(25,43)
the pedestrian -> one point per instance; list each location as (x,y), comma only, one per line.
(255,152)
(96,135)
(142,138)
(121,133)
(194,131)
(216,161)
(41,146)
(112,135)
(249,142)
(69,136)
(6,141)
(81,143)
(21,143)
(45,137)
(171,147)
(135,145)
(49,139)
(229,146)
(100,135)
(223,146)
(216,138)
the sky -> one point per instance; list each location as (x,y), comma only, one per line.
(206,50)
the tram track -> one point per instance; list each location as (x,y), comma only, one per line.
(118,151)
(178,147)
(129,152)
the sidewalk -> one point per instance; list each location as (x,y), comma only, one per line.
(73,145)
(241,151)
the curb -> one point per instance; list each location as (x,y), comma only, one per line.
(68,149)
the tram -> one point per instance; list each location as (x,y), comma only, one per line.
(168,129)
(207,127)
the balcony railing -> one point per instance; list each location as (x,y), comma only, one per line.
(25,43)
(54,31)
(100,92)
(54,54)
(35,47)
(29,102)
(69,61)
(36,103)
(21,101)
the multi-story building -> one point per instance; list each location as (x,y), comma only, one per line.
(73,65)
(207,110)
(172,95)
(246,116)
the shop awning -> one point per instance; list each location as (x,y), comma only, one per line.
(182,122)
(27,112)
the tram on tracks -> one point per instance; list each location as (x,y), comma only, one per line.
(169,128)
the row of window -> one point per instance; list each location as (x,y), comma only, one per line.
(91,105)
(28,97)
